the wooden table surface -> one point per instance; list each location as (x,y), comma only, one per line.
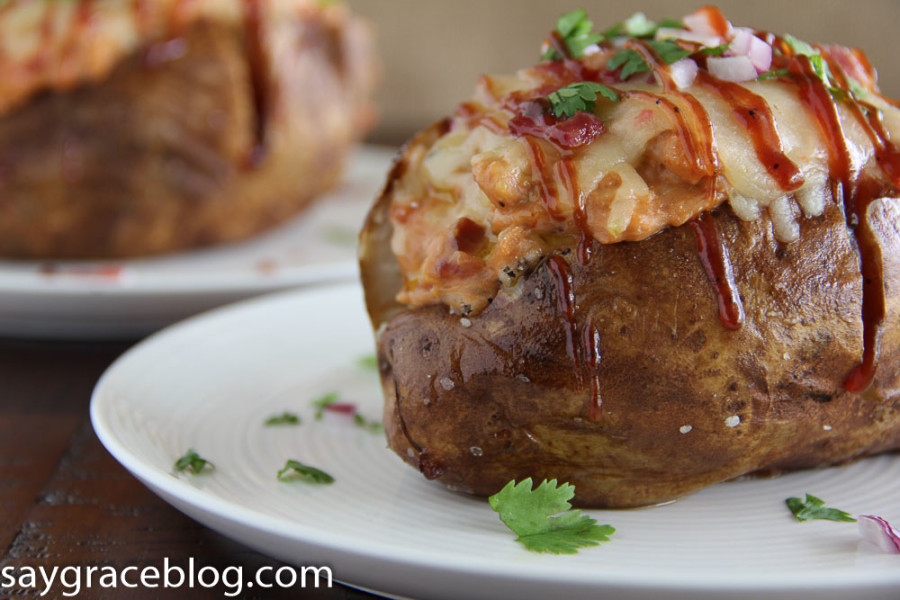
(64,501)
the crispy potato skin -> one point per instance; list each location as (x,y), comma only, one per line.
(154,158)
(476,406)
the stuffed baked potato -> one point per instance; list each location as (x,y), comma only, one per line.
(686,271)
(132,128)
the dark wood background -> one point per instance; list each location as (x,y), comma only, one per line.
(65,501)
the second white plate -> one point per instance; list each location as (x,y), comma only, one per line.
(209,384)
(127,299)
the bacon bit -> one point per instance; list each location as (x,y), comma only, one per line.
(572,133)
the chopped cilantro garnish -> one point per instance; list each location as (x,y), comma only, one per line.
(814,508)
(773,74)
(715,50)
(297,470)
(631,62)
(369,361)
(669,23)
(799,46)
(639,26)
(820,66)
(193,461)
(856,89)
(530,515)
(574,29)
(669,51)
(371,426)
(284,418)
(567,101)
(324,401)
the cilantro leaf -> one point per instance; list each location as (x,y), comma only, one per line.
(715,50)
(820,66)
(856,89)
(193,461)
(285,418)
(530,515)
(799,46)
(294,469)
(631,62)
(814,508)
(568,100)
(638,25)
(575,30)
(669,51)
(773,74)
(371,426)
(669,23)
(369,361)
(321,403)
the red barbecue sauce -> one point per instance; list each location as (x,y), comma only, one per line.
(857,195)
(717,264)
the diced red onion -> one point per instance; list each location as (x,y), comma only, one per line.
(740,43)
(684,72)
(760,54)
(732,68)
(879,532)
(745,43)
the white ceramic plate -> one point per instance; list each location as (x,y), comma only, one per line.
(130,298)
(210,382)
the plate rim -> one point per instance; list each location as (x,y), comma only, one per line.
(719,580)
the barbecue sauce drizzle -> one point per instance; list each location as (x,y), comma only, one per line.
(857,196)
(711,246)
(753,113)
(582,343)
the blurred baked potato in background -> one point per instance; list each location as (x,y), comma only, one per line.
(134,128)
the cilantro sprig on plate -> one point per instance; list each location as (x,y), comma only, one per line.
(294,469)
(191,461)
(284,419)
(529,513)
(813,508)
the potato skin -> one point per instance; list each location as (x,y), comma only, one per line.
(154,158)
(476,406)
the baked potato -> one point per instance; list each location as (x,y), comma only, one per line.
(692,277)
(135,128)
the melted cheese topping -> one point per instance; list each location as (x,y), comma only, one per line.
(476,209)
(50,44)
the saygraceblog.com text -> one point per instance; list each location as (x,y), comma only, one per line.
(70,581)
